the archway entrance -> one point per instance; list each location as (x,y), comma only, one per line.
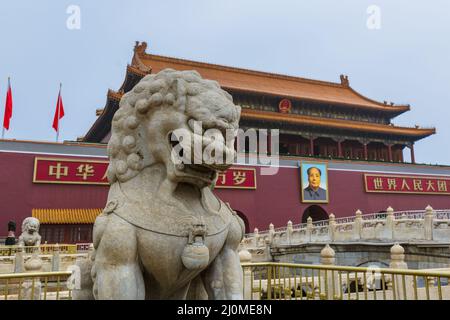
(317,213)
(244,218)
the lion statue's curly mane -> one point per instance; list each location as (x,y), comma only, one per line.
(178,90)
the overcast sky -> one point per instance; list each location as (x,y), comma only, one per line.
(406,60)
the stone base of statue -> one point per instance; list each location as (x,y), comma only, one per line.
(30,293)
(81,283)
(32,287)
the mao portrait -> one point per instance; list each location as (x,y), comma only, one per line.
(314,181)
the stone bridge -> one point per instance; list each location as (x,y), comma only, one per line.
(359,240)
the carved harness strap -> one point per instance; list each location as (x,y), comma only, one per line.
(180,226)
(195,255)
(175,221)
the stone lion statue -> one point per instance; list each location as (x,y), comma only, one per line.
(163,233)
(30,233)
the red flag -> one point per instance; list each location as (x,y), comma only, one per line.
(59,112)
(8,107)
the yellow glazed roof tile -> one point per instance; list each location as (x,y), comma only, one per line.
(66,216)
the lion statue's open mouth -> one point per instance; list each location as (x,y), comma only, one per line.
(200,153)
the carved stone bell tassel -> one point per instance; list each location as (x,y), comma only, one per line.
(196,255)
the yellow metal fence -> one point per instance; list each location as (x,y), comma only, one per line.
(275,281)
(35,286)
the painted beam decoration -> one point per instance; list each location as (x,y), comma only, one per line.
(407,184)
(93,172)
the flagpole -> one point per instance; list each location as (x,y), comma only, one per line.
(9,86)
(58,103)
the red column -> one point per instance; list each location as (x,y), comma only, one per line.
(339,148)
(390,152)
(311,146)
(365,151)
(413,159)
(269,143)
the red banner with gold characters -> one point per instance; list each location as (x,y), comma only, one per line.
(79,171)
(407,184)
(237,178)
(70,171)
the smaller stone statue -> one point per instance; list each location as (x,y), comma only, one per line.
(11,239)
(30,233)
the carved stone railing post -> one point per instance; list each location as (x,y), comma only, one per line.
(390,219)
(309,228)
(271,233)
(246,257)
(32,287)
(428,223)
(268,252)
(56,259)
(357,225)
(331,227)
(328,288)
(256,237)
(398,262)
(19,260)
(289,231)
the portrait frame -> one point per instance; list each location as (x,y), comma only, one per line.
(323,167)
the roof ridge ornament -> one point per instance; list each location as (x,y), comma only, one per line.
(140,47)
(344,80)
(139,50)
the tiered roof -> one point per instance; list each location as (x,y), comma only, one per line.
(267,83)
(335,123)
(264,83)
